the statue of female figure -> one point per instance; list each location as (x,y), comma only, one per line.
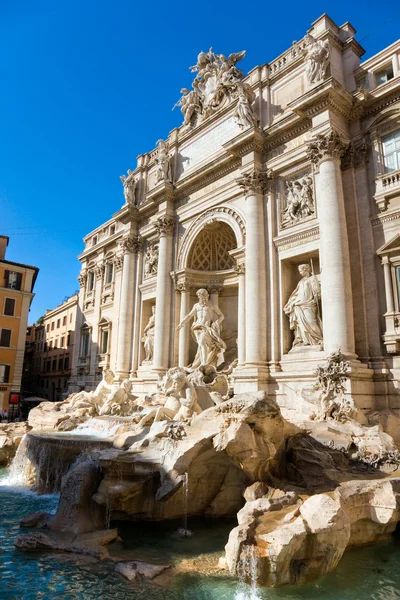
(302,309)
(148,337)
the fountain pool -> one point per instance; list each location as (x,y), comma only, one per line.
(371,573)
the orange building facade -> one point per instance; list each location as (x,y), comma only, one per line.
(16,292)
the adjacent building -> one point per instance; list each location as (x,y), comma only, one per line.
(288,173)
(53,347)
(16,292)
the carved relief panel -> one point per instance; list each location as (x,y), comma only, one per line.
(296,197)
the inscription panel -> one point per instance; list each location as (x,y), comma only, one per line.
(210,142)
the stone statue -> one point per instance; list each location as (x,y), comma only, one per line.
(331,384)
(151,260)
(119,401)
(217,80)
(148,337)
(299,200)
(190,105)
(317,59)
(163,162)
(180,400)
(130,185)
(244,114)
(206,331)
(302,309)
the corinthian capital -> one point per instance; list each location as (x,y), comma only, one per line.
(131,244)
(165,225)
(99,270)
(323,146)
(254,182)
(82,277)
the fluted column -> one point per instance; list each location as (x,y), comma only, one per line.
(136,318)
(325,152)
(241,339)
(183,358)
(253,185)
(162,332)
(388,285)
(129,246)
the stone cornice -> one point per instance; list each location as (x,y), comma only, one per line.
(379,220)
(250,140)
(329,94)
(126,214)
(325,146)
(296,239)
(163,191)
(376,105)
(284,130)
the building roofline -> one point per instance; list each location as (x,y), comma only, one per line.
(17,264)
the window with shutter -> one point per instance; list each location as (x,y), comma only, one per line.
(9,307)
(4,373)
(5,337)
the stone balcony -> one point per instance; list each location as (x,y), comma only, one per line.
(387,187)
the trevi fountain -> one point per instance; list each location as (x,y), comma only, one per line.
(236,435)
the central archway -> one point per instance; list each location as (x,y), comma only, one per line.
(210,249)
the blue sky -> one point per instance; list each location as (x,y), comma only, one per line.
(87,86)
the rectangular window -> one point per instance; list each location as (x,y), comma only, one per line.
(85,344)
(90,281)
(69,339)
(54,365)
(55,343)
(384,75)
(58,323)
(104,342)
(50,344)
(9,307)
(60,364)
(62,342)
(66,363)
(65,320)
(13,280)
(45,347)
(109,272)
(48,365)
(52,326)
(391,151)
(5,337)
(112,229)
(70,318)
(4,373)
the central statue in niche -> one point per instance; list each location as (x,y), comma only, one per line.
(206,330)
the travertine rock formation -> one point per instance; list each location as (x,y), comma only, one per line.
(10,436)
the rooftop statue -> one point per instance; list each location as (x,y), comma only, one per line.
(130,185)
(217,79)
(317,59)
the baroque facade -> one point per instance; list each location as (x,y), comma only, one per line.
(280,196)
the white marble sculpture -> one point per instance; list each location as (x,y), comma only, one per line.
(331,384)
(206,330)
(148,337)
(317,59)
(299,200)
(217,79)
(151,260)
(190,106)
(244,113)
(130,185)
(163,162)
(108,398)
(303,310)
(178,400)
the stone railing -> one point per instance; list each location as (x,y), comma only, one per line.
(386,186)
(287,58)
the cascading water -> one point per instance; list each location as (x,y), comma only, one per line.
(18,471)
(247,572)
(184,531)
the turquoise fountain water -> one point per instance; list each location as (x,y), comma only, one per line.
(371,573)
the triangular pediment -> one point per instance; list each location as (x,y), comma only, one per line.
(391,246)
